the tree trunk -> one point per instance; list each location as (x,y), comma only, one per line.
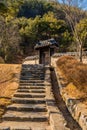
(80,54)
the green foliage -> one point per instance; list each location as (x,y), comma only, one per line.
(9,40)
(50,26)
(82,30)
(66,41)
(41,27)
(32,8)
(29,21)
(13,7)
(3,8)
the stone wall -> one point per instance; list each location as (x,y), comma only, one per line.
(31,60)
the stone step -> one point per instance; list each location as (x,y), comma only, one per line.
(31,91)
(32,78)
(34,84)
(27,107)
(29,95)
(33,65)
(31,81)
(33,69)
(32,73)
(31,84)
(14,125)
(28,73)
(25,116)
(28,100)
(31,87)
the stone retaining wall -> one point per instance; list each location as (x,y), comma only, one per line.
(76,107)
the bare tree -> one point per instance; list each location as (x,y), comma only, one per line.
(9,39)
(74,14)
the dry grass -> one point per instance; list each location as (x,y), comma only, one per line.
(74,72)
(9,74)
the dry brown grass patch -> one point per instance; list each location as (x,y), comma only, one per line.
(74,71)
(9,80)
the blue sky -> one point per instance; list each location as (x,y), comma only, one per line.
(82,3)
(85,4)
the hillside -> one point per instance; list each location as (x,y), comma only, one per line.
(9,74)
(24,23)
(75,76)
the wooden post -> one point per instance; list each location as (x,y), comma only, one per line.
(39,55)
(49,57)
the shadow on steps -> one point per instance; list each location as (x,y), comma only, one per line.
(71,123)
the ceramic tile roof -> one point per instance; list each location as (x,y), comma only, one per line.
(45,43)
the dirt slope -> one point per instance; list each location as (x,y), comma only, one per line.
(9,74)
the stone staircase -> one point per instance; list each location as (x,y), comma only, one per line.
(33,105)
(28,110)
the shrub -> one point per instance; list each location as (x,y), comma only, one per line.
(1,60)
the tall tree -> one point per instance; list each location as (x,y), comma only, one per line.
(32,8)
(81,28)
(3,7)
(73,15)
(9,40)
